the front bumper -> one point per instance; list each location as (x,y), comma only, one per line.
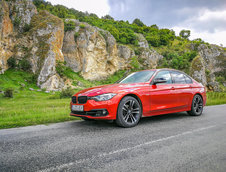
(105,110)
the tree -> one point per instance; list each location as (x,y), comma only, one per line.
(108,17)
(185,34)
(138,22)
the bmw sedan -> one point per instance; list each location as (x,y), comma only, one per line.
(141,94)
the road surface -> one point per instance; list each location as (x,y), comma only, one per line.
(173,142)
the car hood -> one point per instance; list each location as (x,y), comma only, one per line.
(111,88)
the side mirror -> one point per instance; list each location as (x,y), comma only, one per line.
(159,80)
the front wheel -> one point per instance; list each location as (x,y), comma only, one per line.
(129,112)
(197,106)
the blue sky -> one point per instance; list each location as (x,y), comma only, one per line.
(205,18)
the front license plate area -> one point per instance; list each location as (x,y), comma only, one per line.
(77,108)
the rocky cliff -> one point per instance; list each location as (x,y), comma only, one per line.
(210,62)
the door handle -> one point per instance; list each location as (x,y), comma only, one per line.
(173,88)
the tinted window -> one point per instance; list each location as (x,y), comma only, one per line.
(165,75)
(187,79)
(178,78)
(143,76)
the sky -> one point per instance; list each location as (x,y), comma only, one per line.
(205,18)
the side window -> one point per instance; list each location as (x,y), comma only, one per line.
(178,77)
(165,75)
(187,79)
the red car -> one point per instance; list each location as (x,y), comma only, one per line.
(141,94)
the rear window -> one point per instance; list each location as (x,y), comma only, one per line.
(188,79)
(178,77)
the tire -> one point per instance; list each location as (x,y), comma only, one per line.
(197,106)
(129,112)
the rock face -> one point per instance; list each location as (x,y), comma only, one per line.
(6,32)
(47,36)
(149,58)
(142,42)
(90,50)
(211,60)
(125,53)
(21,13)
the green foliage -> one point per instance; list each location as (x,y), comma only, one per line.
(27,27)
(76,35)
(12,62)
(82,26)
(69,25)
(107,17)
(138,22)
(66,93)
(134,62)
(16,22)
(185,34)
(8,93)
(60,68)
(24,65)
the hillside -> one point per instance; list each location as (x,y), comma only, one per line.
(64,47)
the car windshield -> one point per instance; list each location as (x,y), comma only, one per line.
(138,77)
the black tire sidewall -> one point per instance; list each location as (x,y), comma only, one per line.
(119,118)
(193,112)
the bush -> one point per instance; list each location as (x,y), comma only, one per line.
(24,65)
(61,68)
(8,93)
(68,92)
(27,27)
(69,25)
(11,62)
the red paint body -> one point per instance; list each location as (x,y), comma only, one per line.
(154,99)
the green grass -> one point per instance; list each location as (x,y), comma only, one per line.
(33,107)
(216,98)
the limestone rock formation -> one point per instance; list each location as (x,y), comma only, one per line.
(6,32)
(149,58)
(211,60)
(125,54)
(142,42)
(90,50)
(21,13)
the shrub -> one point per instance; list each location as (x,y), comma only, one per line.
(69,25)
(8,93)
(11,62)
(82,26)
(60,68)
(24,65)
(134,62)
(68,92)
(27,27)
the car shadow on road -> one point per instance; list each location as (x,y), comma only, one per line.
(146,120)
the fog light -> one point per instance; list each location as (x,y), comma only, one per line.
(104,112)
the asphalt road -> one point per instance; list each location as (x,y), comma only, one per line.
(173,142)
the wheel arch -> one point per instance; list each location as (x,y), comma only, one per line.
(134,96)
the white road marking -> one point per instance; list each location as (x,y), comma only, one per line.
(58,168)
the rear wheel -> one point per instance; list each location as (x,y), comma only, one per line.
(129,112)
(197,106)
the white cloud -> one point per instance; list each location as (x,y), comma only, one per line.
(209,26)
(219,37)
(99,7)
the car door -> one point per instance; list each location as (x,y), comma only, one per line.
(162,97)
(183,88)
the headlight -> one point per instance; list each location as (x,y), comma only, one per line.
(103,97)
